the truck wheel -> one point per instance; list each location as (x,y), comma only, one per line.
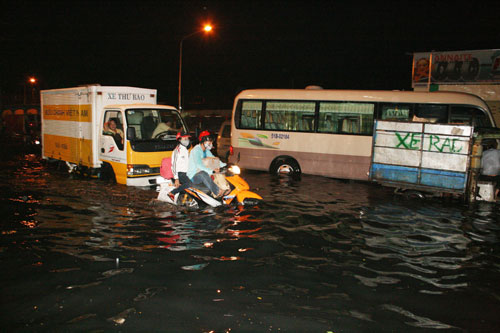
(107,173)
(286,165)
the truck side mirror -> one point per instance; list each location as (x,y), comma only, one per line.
(130,133)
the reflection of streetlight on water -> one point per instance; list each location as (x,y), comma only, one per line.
(206,29)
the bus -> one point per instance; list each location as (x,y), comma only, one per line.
(330,132)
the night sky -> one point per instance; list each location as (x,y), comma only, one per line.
(255,44)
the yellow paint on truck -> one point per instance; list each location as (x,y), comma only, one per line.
(68,112)
(73,150)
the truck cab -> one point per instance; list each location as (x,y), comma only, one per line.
(132,148)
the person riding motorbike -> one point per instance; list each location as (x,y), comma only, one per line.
(180,160)
(198,173)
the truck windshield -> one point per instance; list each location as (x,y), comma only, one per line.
(155,124)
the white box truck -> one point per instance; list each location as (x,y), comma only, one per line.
(106,131)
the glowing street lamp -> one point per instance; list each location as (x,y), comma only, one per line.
(206,29)
(31,80)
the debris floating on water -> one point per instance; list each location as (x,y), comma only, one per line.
(121,317)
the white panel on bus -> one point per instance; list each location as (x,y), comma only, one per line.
(399,140)
(446,144)
(448,129)
(399,126)
(402,157)
(448,162)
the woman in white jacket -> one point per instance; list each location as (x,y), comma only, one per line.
(180,162)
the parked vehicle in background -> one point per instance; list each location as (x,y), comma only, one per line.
(76,125)
(330,132)
(224,140)
(205,120)
(21,125)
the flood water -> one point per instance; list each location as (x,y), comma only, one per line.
(318,255)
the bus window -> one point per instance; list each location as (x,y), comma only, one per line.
(395,112)
(342,117)
(481,120)
(290,116)
(326,123)
(306,123)
(433,113)
(460,115)
(249,115)
(469,116)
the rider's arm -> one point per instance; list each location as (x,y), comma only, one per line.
(221,164)
(198,160)
(175,155)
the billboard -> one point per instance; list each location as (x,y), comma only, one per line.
(456,67)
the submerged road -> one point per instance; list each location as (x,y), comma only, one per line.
(318,255)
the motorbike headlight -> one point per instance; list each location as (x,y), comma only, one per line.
(235,169)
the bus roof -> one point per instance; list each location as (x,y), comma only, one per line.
(394,96)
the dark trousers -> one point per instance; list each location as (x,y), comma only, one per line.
(185,183)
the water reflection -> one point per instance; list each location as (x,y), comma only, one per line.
(431,251)
(317,255)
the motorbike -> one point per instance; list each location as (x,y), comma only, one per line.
(198,196)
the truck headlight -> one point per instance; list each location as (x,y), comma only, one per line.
(138,169)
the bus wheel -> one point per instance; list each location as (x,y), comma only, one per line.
(287,166)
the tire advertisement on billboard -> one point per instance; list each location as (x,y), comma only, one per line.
(456,67)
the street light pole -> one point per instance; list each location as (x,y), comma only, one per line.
(207,28)
(32,81)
